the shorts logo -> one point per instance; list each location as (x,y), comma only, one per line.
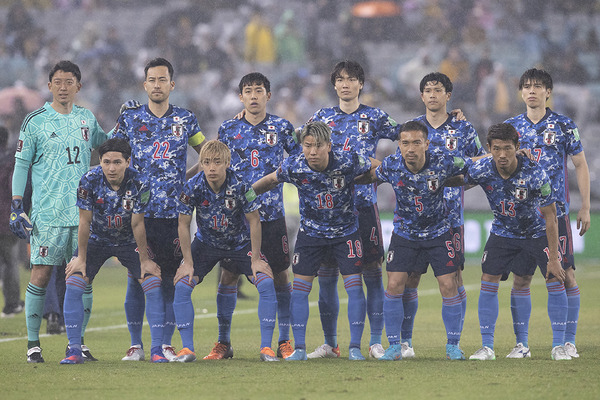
(43,251)
(295,258)
(82,194)
(390,256)
(19,146)
(85,132)
(363,125)
(433,184)
(549,136)
(521,193)
(338,182)
(177,130)
(229,203)
(451,143)
(271,136)
(484,257)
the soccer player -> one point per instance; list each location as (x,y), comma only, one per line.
(55,141)
(355,128)
(524,235)
(421,233)
(257,142)
(111,199)
(159,134)
(450,135)
(229,228)
(328,225)
(552,137)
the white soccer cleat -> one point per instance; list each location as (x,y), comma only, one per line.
(407,350)
(519,351)
(169,352)
(376,351)
(559,353)
(135,353)
(571,350)
(325,351)
(483,354)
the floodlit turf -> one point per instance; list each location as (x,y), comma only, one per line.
(430,375)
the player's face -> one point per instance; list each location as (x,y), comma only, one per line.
(317,154)
(158,84)
(504,153)
(254,98)
(347,88)
(413,146)
(435,96)
(535,94)
(113,166)
(64,86)
(215,170)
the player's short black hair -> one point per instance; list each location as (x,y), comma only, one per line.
(159,62)
(414,126)
(436,77)
(115,144)
(352,68)
(65,66)
(503,131)
(255,78)
(535,75)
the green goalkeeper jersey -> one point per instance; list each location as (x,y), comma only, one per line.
(58,147)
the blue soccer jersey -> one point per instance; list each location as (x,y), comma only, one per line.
(419,213)
(327,208)
(111,209)
(514,201)
(359,132)
(220,216)
(551,140)
(159,152)
(256,151)
(459,139)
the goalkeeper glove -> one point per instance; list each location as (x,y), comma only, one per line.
(19,223)
(129,105)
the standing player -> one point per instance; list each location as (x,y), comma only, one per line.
(159,134)
(447,135)
(55,141)
(257,142)
(111,199)
(328,225)
(520,239)
(229,228)
(355,128)
(552,137)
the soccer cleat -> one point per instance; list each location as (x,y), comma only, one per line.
(87,355)
(519,351)
(135,353)
(325,351)
(53,324)
(185,355)
(571,350)
(393,353)
(559,353)
(355,354)
(453,352)
(169,352)
(220,351)
(157,355)
(73,356)
(34,355)
(285,349)
(297,355)
(407,350)
(376,351)
(9,312)
(483,354)
(267,354)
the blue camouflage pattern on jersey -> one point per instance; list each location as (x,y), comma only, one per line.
(515,201)
(327,208)
(359,132)
(420,210)
(459,139)
(551,140)
(220,216)
(111,209)
(256,151)
(159,152)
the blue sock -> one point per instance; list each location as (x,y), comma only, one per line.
(134,309)
(88,301)
(168,292)
(284,295)
(226,300)
(463,305)
(488,312)
(73,309)
(557,311)
(267,308)
(329,303)
(155,309)
(299,311)
(573,301)
(357,308)
(393,313)
(520,307)
(374,285)
(184,311)
(410,303)
(34,307)
(451,315)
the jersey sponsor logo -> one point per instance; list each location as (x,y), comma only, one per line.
(549,136)
(363,126)
(451,143)
(43,251)
(390,256)
(85,133)
(82,194)
(184,198)
(229,203)
(271,137)
(177,129)
(433,184)
(143,128)
(19,146)
(521,193)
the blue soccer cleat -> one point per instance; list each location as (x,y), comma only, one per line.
(74,356)
(355,354)
(453,352)
(157,355)
(393,353)
(297,355)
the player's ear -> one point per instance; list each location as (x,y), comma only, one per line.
(268,96)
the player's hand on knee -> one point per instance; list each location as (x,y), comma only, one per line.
(75,266)
(149,267)
(186,268)
(129,105)
(555,268)
(19,223)
(261,266)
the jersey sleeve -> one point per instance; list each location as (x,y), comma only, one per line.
(143,197)
(98,134)
(85,193)
(382,172)
(283,172)
(473,147)
(195,135)
(573,144)
(388,128)
(250,204)
(361,164)
(185,199)
(543,187)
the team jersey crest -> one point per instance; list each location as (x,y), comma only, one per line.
(271,136)
(85,132)
(338,182)
(451,142)
(433,183)
(363,125)
(127,201)
(177,129)
(549,136)
(521,193)
(229,203)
